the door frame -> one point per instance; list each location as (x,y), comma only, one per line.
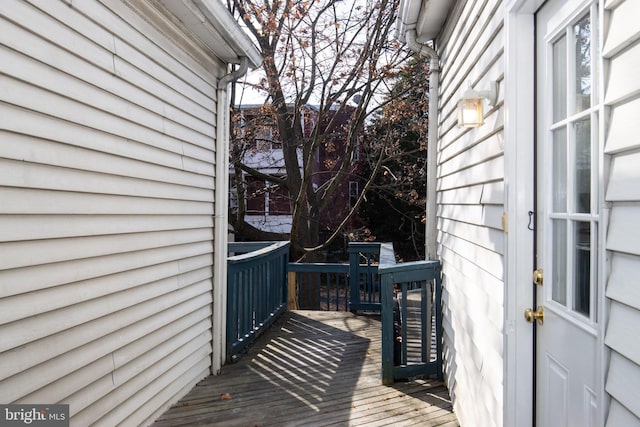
(519,131)
(519,145)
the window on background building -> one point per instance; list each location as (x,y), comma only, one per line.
(256,195)
(354,192)
(278,200)
(356,151)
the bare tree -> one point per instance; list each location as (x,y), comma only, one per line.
(334,55)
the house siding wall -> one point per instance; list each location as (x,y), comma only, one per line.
(622,143)
(107,152)
(470,195)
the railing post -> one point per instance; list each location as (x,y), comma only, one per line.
(354,277)
(386,290)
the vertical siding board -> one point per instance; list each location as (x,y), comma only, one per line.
(622,96)
(107,185)
(470,207)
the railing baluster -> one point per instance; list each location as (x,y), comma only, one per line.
(337,279)
(319,288)
(405,322)
(425,311)
(388,338)
(245,299)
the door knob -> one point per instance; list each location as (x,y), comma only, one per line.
(530,315)
(538,277)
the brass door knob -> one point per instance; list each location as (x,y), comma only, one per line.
(538,277)
(530,315)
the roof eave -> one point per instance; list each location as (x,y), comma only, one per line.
(427,17)
(212,23)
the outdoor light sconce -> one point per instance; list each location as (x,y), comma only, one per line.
(470,114)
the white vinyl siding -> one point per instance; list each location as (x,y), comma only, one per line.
(470,210)
(622,96)
(107,160)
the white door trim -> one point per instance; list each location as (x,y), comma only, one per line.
(519,145)
(519,33)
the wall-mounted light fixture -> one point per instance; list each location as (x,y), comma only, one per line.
(470,114)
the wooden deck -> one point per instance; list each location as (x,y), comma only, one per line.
(312,368)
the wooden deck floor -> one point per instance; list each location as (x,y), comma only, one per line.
(312,368)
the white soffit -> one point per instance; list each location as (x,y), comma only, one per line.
(214,25)
(425,16)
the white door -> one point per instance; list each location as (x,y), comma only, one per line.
(567,362)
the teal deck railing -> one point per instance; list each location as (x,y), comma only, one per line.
(239,248)
(321,286)
(256,291)
(411,303)
(408,296)
(364,282)
(340,287)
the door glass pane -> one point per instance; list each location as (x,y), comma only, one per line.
(582,32)
(560,79)
(582,273)
(583,166)
(559,277)
(559,178)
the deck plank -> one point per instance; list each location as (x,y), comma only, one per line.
(312,368)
